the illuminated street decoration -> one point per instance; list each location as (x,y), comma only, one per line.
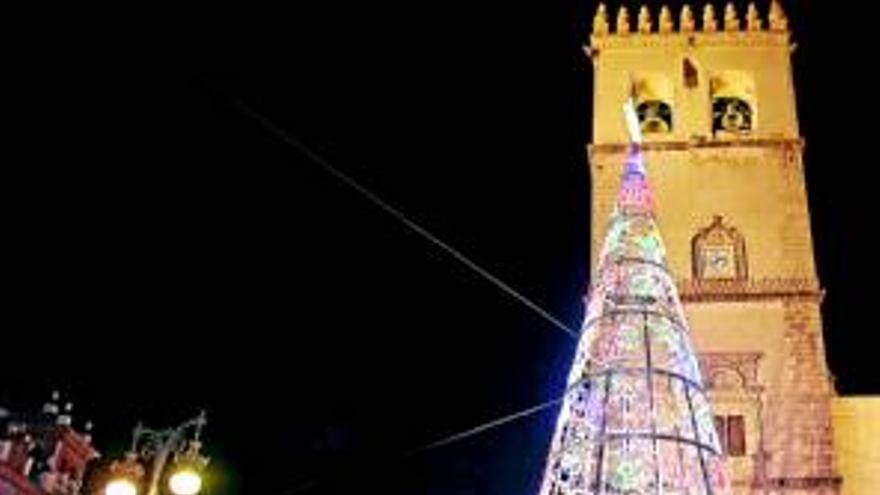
(637,419)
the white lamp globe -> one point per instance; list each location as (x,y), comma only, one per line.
(120,487)
(185,482)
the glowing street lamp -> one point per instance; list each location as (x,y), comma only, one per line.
(185,482)
(125,476)
(188,466)
(120,486)
(160,446)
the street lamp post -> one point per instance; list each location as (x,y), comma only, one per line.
(161,446)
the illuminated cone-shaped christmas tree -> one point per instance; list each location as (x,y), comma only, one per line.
(636,419)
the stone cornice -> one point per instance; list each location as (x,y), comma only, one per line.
(684,40)
(749,290)
(698,144)
(800,483)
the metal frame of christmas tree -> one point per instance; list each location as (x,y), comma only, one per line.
(636,418)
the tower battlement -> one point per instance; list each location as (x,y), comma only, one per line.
(690,24)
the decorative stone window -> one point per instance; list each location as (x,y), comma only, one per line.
(733,384)
(652,93)
(719,253)
(733,104)
(731,434)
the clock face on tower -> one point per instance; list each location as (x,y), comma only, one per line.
(719,252)
(718,262)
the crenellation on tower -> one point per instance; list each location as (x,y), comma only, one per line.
(753,19)
(731,20)
(600,21)
(710,25)
(644,20)
(686,21)
(776,20)
(622,26)
(665,24)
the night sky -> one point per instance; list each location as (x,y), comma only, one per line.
(165,253)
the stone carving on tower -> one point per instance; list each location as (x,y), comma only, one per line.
(719,252)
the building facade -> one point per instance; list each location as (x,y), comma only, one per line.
(42,454)
(857,443)
(715,97)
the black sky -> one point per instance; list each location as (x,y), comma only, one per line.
(166,253)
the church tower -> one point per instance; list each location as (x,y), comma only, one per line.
(714,93)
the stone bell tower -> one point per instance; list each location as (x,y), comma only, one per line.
(716,101)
